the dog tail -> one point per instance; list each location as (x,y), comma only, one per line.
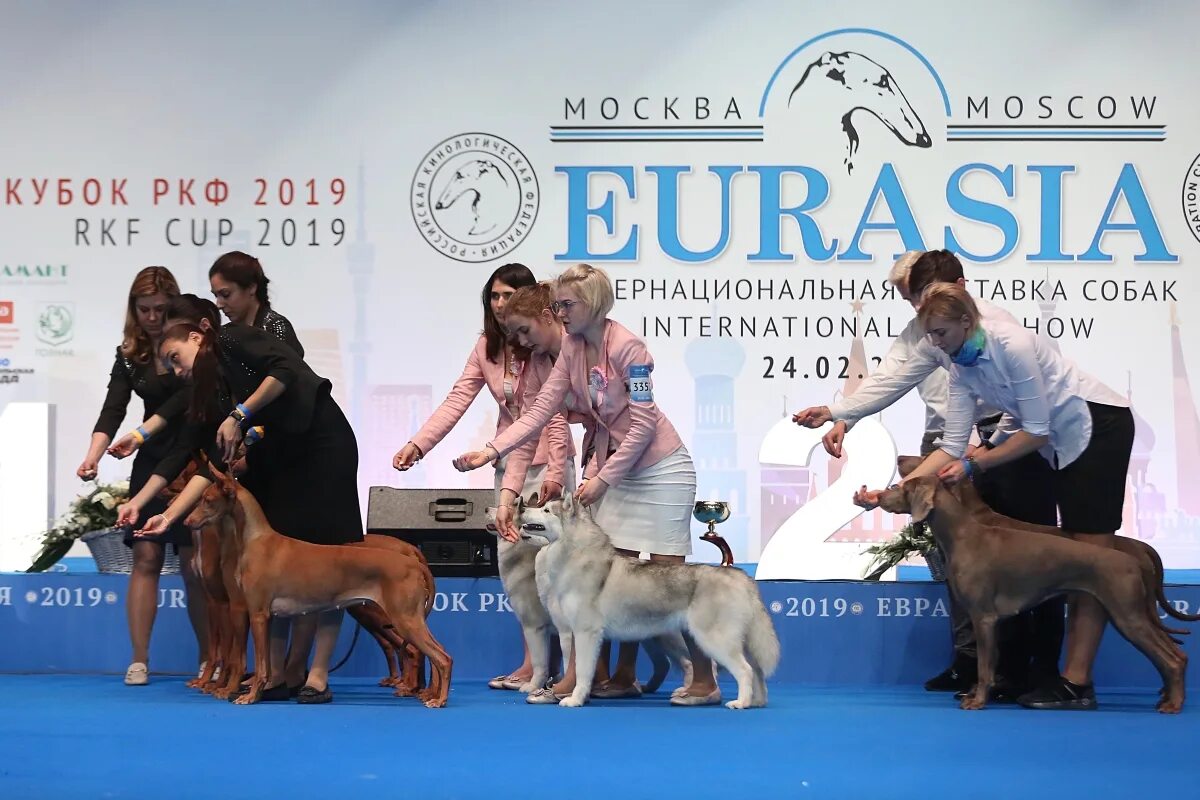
(1162,598)
(762,641)
(430,593)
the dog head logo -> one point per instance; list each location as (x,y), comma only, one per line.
(856,83)
(55,323)
(482,185)
(470,192)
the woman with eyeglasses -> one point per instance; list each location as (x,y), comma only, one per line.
(498,364)
(637,473)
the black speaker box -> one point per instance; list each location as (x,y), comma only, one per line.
(448,525)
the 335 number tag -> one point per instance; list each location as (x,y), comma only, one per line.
(641,388)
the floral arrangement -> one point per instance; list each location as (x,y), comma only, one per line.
(93,510)
(913,539)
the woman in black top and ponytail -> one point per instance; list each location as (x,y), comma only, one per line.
(239,286)
(241,376)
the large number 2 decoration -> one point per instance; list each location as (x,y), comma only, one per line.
(799,550)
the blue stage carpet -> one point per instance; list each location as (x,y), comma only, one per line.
(93,737)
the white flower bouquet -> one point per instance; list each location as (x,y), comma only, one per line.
(95,509)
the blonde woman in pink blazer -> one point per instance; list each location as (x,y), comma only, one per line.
(638,474)
(495,363)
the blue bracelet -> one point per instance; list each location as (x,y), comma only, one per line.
(245,411)
(143,432)
(968,465)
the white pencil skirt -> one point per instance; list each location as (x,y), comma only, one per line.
(651,511)
(534,477)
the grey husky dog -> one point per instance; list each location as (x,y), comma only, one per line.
(518,565)
(592,592)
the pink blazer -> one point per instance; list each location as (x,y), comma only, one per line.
(533,376)
(635,431)
(478,372)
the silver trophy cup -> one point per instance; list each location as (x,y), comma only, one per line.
(713,512)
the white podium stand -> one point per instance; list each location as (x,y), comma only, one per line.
(26,481)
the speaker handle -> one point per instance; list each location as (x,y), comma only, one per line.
(451,509)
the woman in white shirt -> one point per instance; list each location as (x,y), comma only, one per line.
(1082,427)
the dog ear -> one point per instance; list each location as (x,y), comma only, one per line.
(568,503)
(920,497)
(906,464)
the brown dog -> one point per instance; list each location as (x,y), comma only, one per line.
(1146,556)
(216,557)
(997,571)
(287,576)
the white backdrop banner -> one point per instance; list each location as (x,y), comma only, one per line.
(746,172)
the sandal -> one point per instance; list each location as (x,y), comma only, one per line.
(138,674)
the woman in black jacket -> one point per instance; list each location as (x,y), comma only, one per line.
(136,370)
(308,489)
(239,286)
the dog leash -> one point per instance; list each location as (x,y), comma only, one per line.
(345,658)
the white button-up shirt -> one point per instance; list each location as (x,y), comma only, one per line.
(912,362)
(1039,391)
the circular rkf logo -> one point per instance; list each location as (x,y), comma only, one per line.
(474,197)
(1191,198)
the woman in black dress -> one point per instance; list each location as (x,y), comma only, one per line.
(308,489)
(137,370)
(239,286)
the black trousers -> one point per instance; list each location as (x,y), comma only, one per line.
(1031,642)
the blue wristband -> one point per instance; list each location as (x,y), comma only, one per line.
(968,465)
(245,411)
(145,434)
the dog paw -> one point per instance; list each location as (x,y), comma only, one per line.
(1169,707)
(571,702)
(246,699)
(737,705)
(526,688)
(435,702)
(969,703)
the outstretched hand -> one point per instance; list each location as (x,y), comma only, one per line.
(473,460)
(812,417)
(867,498)
(155,526)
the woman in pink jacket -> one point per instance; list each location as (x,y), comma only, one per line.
(638,474)
(497,364)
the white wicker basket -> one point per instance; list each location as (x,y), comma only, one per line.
(113,557)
